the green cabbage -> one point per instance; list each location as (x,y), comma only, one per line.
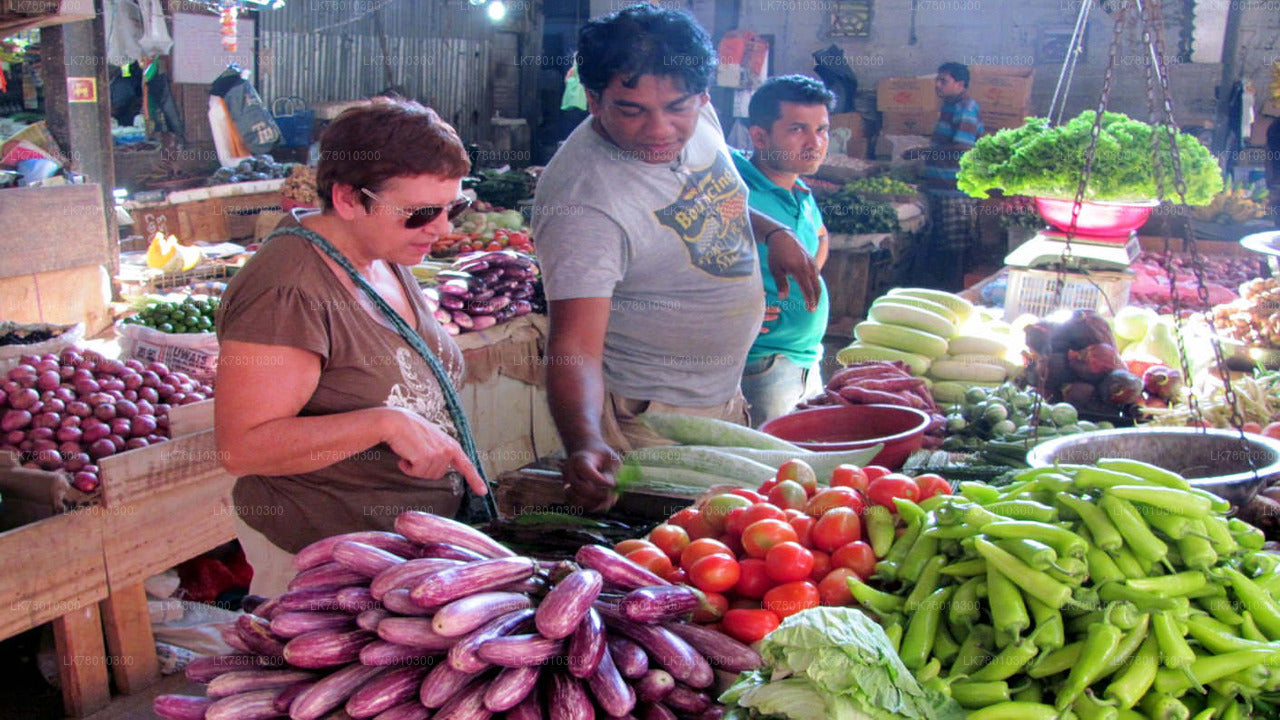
(834,663)
(1038,160)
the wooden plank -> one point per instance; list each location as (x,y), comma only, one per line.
(82,661)
(190,419)
(72,295)
(161,530)
(19,299)
(126,622)
(139,474)
(61,227)
(50,568)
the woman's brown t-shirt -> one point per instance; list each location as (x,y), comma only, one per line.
(287,295)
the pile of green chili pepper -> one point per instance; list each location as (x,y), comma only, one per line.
(1106,592)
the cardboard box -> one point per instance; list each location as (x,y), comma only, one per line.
(891,147)
(858,147)
(1001,88)
(907,94)
(848,134)
(993,121)
(908,123)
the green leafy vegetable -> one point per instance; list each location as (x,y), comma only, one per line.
(1038,160)
(845,212)
(832,662)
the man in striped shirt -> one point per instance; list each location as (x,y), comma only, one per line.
(958,126)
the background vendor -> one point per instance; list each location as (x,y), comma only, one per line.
(647,248)
(789,120)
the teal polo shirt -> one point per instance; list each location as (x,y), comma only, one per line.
(796,333)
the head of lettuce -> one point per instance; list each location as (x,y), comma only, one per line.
(833,664)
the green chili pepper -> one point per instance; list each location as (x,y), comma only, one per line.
(1009,662)
(1161,706)
(909,511)
(1058,661)
(878,602)
(1249,537)
(1266,613)
(1219,532)
(1146,601)
(1050,632)
(1135,531)
(894,633)
(889,567)
(1036,555)
(1024,510)
(1218,504)
(1087,707)
(973,651)
(1016,711)
(1063,541)
(1153,474)
(1206,714)
(1103,531)
(1197,551)
(1130,715)
(1183,583)
(922,629)
(1209,668)
(1257,564)
(1053,481)
(933,502)
(1130,685)
(1008,613)
(1084,599)
(1096,478)
(1174,650)
(1129,564)
(952,532)
(1270,583)
(930,671)
(974,695)
(966,568)
(1029,692)
(1070,571)
(1099,645)
(980,493)
(926,582)
(945,646)
(879,522)
(1034,582)
(953,513)
(1175,527)
(1123,615)
(1218,637)
(1102,569)
(1222,609)
(1249,629)
(964,608)
(1133,640)
(1179,502)
(913,564)
(978,516)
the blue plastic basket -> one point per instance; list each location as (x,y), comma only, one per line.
(297,125)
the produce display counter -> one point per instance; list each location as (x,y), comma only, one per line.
(215,214)
(860,268)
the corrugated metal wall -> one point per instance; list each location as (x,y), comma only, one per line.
(437,50)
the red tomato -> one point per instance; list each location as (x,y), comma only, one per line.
(788,494)
(701,548)
(693,523)
(626,546)
(753,580)
(850,476)
(837,527)
(764,534)
(751,495)
(493,246)
(748,626)
(875,471)
(734,543)
(821,565)
(711,610)
(652,559)
(742,603)
(801,472)
(788,562)
(670,539)
(677,577)
(714,573)
(884,489)
(833,590)
(791,514)
(718,507)
(788,599)
(803,526)
(834,497)
(763,511)
(767,485)
(931,484)
(1249,427)
(856,556)
(736,521)
(1272,430)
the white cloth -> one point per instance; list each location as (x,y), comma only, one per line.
(272,566)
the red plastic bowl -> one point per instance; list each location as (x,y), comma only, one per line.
(1099,219)
(850,427)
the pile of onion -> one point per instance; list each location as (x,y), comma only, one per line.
(68,411)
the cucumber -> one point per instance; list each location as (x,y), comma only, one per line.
(633,475)
(823,463)
(695,430)
(860,352)
(710,460)
(967,371)
(931,306)
(976,345)
(961,307)
(901,338)
(892,313)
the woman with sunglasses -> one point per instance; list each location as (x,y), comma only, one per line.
(336,406)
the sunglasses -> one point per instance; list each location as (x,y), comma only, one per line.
(420,217)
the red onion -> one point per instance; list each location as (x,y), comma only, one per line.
(135,442)
(120,426)
(79,408)
(162,422)
(86,386)
(69,421)
(101,448)
(25,446)
(76,461)
(126,409)
(66,372)
(46,420)
(95,433)
(38,445)
(22,373)
(113,385)
(48,380)
(91,468)
(166,392)
(48,459)
(105,411)
(177,399)
(194,398)
(131,395)
(42,433)
(98,398)
(23,399)
(132,381)
(36,408)
(15,420)
(70,434)
(135,365)
(54,405)
(142,426)
(4,398)
(158,368)
(153,438)
(116,441)
(85,481)
(65,394)
(150,379)
(69,356)
(10,387)
(69,449)
(15,437)
(111,367)
(146,408)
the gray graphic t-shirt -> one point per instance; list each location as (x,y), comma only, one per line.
(671,245)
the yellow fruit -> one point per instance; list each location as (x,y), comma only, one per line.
(161,250)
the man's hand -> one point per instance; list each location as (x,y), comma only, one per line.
(771,313)
(787,257)
(588,477)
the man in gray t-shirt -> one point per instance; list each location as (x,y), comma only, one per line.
(648,248)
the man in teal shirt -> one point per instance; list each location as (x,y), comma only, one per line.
(789,121)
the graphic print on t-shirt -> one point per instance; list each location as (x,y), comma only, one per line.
(710,216)
(414,394)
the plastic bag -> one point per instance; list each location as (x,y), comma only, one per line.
(252,119)
(195,354)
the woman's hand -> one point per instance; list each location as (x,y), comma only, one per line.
(426,450)
(588,477)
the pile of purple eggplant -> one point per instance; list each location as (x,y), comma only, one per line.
(439,620)
(481,290)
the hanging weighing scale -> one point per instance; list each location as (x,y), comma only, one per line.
(1091,253)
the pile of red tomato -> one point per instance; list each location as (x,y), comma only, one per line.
(762,555)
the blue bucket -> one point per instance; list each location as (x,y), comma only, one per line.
(296,126)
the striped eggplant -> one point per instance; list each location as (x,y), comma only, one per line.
(529,709)
(427,528)
(400,602)
(296,622)
(451,552)
(656,603)
(616,569)
(511,687)
(382,653)
(287,695)
(720,649)
(369,619)
(462,656)
(232,638)
(449,585)
(468,613)
(203,669)
(405,575)
(310,599)
(684,699)
(257,636)
(180,707)
(568,699)
(667,649)
(326,648)
(254,705)
(386,691)
(631,659)
(331,692)
(517,650)
(266,609)
(562,610)
(356,599)
(330,575)
(442,683)
(242,681)
(411,710)
(654,685)
(657,711)
(587,645)
(414,632)
(612,692)
(466,704)
(321,551)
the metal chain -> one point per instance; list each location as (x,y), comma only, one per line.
(1189,245)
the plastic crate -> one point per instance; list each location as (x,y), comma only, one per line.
(1032,291)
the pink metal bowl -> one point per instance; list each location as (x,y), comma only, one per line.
(1098,219)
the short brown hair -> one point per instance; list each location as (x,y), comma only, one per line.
(368,145)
